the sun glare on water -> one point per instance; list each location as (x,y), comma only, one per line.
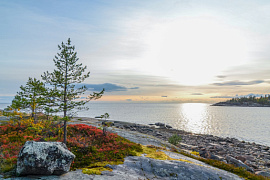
(194,51)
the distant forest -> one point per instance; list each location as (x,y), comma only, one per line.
(251,99)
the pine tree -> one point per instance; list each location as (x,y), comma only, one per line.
(30,97)
(67,74)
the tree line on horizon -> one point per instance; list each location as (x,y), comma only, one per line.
(57,92)
(264,100)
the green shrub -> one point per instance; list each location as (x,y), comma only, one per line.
(175,139)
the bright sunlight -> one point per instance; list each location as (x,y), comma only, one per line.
(193,51)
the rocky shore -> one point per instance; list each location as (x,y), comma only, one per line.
(254,157)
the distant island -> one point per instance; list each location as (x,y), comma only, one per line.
(251,101)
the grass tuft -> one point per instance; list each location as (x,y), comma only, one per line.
(175,139)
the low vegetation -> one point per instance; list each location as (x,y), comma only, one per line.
(175,139)
(88,143)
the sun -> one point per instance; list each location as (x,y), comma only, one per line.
(194,51)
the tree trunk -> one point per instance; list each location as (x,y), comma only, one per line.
(65,131)
(34,115)
(65,107)
(65,115)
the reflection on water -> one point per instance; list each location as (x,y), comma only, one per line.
(196,118)
(193,116)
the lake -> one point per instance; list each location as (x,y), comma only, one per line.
(245,123)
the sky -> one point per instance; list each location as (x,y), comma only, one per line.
(142,51)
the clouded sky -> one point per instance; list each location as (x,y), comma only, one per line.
(154,50)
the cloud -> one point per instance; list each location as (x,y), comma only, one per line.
(164,96)
(197,94)
(238,83)
(129,100)
(109,87)
(221,77)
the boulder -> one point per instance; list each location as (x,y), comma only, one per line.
(263,173)
(160,124)
(267,164)
(209,155)
(168,126)
(250,158)
(241,158)
(251,164)
(238,163)
(44,158)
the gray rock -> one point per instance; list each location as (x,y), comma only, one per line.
(241,145)
(250,158)
(223,143)
(147,168)
(208,155)
(44,158)
(263,173)
(251,164)
(241,158)
(238,163)
(267,164)
(160,124)
(216,146)
(168,126)
(267,156)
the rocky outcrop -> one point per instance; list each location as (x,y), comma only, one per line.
(44,158)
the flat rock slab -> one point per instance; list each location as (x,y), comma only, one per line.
(140,167)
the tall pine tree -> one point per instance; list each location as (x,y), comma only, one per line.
(63,79)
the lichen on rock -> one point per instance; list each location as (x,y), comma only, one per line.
(44,158)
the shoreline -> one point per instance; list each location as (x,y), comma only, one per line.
(254,156)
